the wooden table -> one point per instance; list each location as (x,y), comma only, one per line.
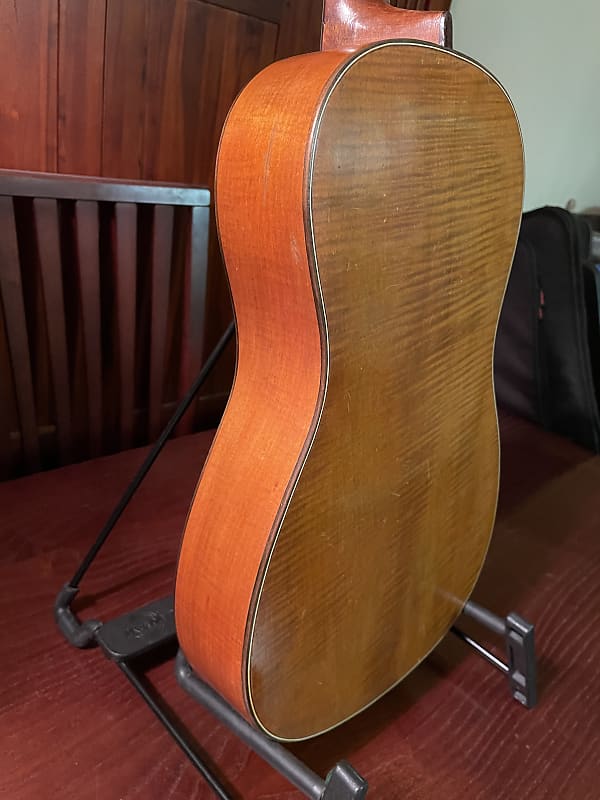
(72,727)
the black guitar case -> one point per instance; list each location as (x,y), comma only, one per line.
(547,356)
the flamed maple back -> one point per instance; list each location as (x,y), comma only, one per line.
(368,207)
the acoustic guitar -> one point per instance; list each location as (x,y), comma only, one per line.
(368,201)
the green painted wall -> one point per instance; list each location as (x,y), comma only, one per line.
(547,55)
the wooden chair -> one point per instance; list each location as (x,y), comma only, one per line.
(102,313)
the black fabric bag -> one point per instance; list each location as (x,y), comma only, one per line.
(548,346)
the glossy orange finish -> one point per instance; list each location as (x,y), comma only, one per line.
(350,24)
(260,190)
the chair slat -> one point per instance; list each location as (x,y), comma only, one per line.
(94,346)
(46,222)
(16,327)
(194,307)
(87,236)
(17,183)
(8,423)
(125,280)
(162,242)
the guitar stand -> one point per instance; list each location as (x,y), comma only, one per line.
(151,629)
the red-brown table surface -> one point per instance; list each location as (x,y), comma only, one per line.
(71,726)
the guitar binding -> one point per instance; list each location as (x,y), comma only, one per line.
(151,629)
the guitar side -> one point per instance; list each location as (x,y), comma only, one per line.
(278,387)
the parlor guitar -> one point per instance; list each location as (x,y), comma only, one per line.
(368,201)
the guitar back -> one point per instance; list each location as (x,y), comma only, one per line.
(368,210)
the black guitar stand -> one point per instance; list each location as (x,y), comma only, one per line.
(148,629)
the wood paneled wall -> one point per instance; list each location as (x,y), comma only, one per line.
(134,88)
(29,84)
(139,89)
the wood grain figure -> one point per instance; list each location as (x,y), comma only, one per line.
(368,206)
(28,79)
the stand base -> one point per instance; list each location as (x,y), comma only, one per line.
(150,627)
(146,629)
(519,643)
(342,783)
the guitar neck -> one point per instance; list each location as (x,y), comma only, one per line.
(351,24)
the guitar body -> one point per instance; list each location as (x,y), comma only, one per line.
(368,206)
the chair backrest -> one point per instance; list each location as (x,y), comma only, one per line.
(102,312)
